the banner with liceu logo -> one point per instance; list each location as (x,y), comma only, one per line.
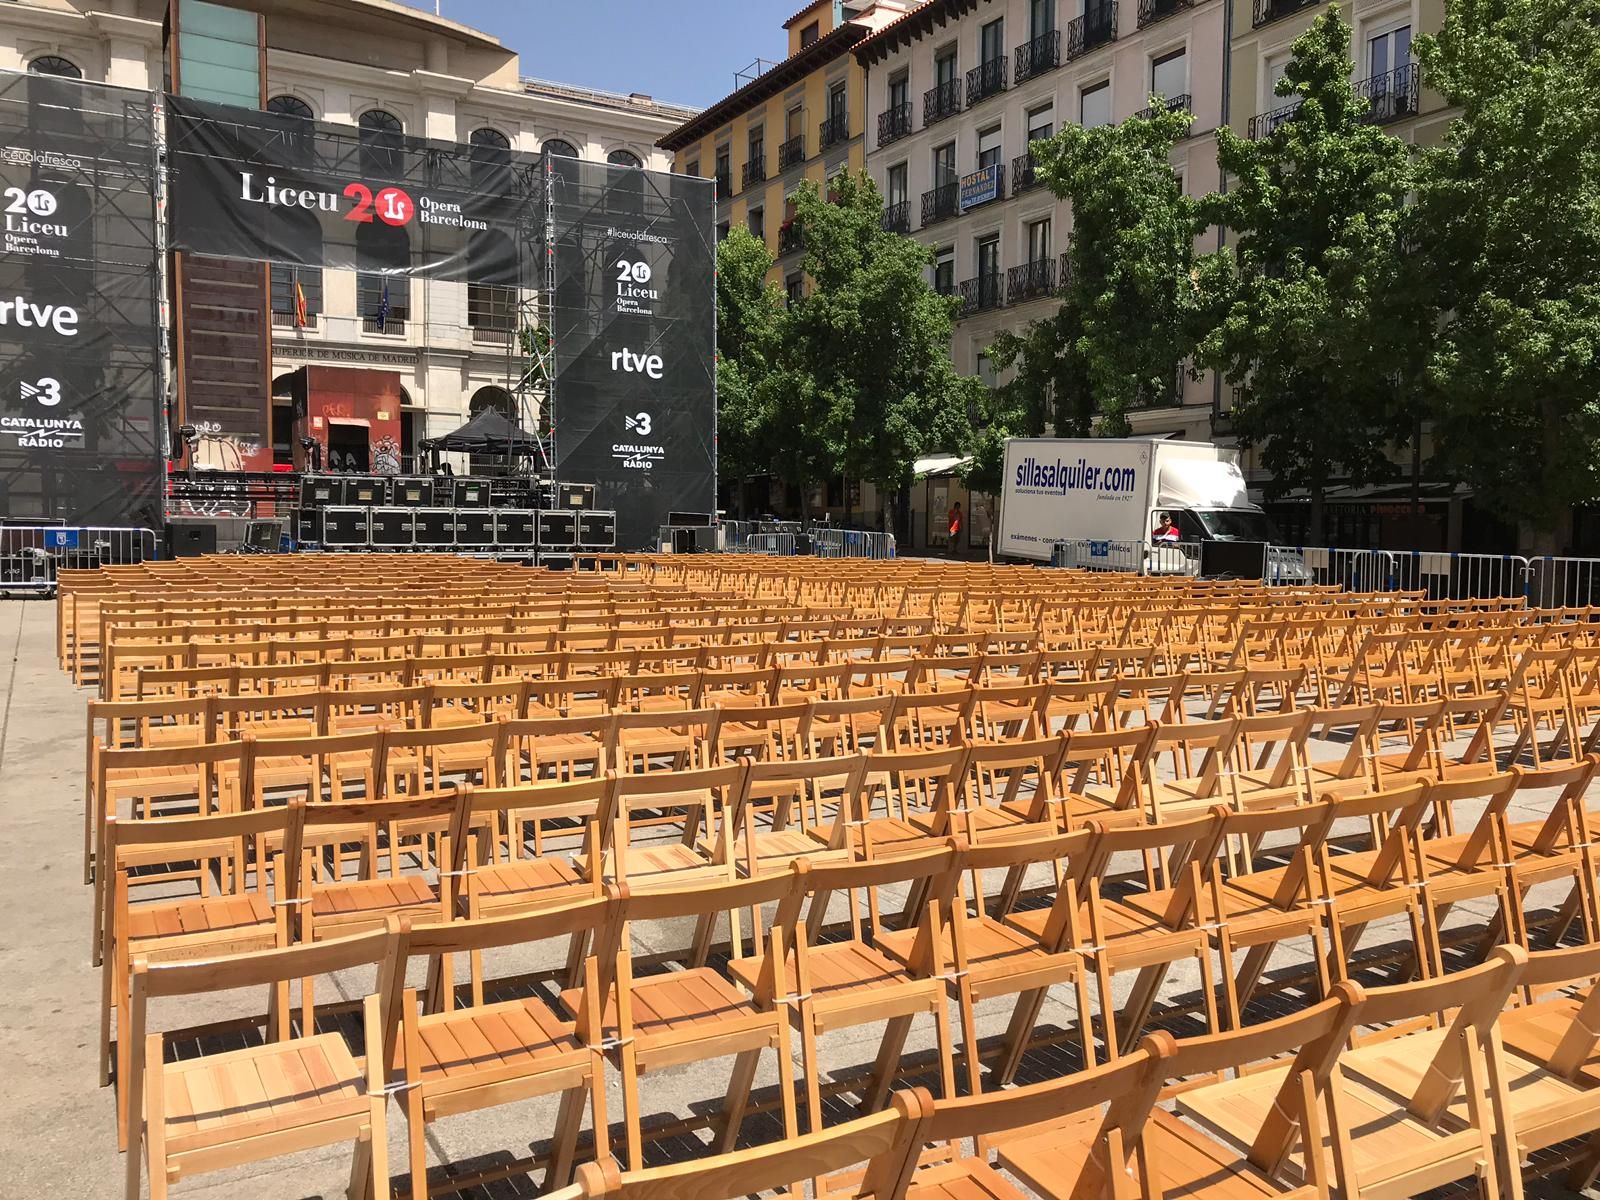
(277,188)
(634,331)
(80,404)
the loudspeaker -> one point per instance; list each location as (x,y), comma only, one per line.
(366,490)
(391,527)
(308,526)
(597,529)
(557,528)
(411,493)
(474,527)
(434,526)
(191,540)
(344,526)
(513,527)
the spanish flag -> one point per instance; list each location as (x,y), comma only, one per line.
(299,304)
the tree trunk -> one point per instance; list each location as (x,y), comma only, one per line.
(887,500)
(1314,535)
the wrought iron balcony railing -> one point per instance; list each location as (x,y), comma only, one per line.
(1392,95)
(753,171)
(941,203)
(1030,280)
(941,102)
(986,79)
(1064,274)
(897,217)
(1264,123)
(792,153)
(1097,27)
(791,238)
(1151,11)
(894,124)
(1270,10)
(981,294)
(1173,104)
(1038,55)
(834,129)
(1022,173)
(724,185)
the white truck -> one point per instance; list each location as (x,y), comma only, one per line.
(1105,498)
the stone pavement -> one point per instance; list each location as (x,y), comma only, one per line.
(57,1125)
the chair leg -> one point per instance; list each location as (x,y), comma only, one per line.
(568,1118)
(1243,986)
(630,1106)
(889,1051)
(1141,1000)
(417,1144)
(744,1075)
(1023,1017)
(969,1037)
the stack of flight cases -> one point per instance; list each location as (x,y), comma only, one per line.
(507,517)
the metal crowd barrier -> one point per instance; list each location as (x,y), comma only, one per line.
(1138,558)
(851,543)
(31,556)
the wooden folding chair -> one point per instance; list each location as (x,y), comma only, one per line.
(662,1020)
(455,1059)
(296,1091)
(842,983)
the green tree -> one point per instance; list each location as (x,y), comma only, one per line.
(1509,211)
(1320,317)
(1125,323)
(749,336)
(867,385)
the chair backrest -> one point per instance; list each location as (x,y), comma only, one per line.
(887,1142)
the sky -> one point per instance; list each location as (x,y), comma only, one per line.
(678,51)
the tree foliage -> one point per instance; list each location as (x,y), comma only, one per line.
(1320,320)
(865,384)
(1128,295)
(749,336)
(1509,217)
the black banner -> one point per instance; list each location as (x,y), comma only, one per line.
(80,419)
(634,328)
(263,186)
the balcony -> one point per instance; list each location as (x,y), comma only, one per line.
(1151,11)
(1270,10)
(285,320)
(391,327)
(1064,272)
(983,186)
(1392,95)
(1023,174)
(941,203)
(1265,123)
(724,182)
(894,124)
(1039,55)
(1031,280)
(834,129)
(897,217)
(792,153)
(985,80)
(494,334)
(1097,27)
(941,102)
(1173,104)
(753,171)
(791,238)
(981,294)
(1169,394)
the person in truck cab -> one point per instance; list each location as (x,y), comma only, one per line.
(1166,533)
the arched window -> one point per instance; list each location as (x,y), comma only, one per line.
(382,139)
(491,286)
(383,253)
(54,64)
(493,397)
(623,158)
(564,148)
(491,156)
(290,106)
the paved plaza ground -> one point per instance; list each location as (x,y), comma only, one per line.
(58,1126)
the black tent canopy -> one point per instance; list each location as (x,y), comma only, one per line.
(490,432)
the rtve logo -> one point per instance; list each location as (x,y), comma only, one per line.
(636,364)
(26,314)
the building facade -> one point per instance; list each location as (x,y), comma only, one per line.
(803,118)
(386,68)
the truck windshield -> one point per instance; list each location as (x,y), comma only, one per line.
(1237,525)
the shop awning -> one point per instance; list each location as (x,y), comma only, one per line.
(939,464)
